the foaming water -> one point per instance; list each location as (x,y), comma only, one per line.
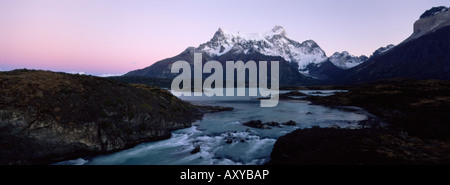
(223,139)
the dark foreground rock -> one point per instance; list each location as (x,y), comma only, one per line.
(363,146)
(290,123)
(212,109)
(196,149)
(267,125)
(47,117)
(420,108)
(256,124)
(418,131)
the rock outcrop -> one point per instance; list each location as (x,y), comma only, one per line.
(47,117)
(431,21)
(356,147)
(420,108)
(415,130)
(268,125)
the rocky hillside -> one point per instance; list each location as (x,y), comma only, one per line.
(329,146)
(430,21)
(420,108)
(47,117)
(382,50)
(426,57)
(326,72)
(417,130)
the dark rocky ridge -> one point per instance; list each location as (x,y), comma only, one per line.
(267,125)
(381,50)
(155,82)
(418,131)
(423,58)
(433,11)
(420,108)
(47,117)
(423,55)
(327,72)
(356,147)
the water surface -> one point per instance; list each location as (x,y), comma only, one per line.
(222,137)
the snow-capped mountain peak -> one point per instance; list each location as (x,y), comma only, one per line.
(344,60)
(219,33)
(272,43)
(279,30)
(434,11)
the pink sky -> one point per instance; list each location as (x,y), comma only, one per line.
(116,36)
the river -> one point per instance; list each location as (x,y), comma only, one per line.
(224,140)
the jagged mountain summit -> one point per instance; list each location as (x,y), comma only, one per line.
(345,60)
(271,43)
(434,11)
(382,50)
(300,62)
(338,65)
(430,21)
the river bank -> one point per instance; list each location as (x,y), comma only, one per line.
(417,130)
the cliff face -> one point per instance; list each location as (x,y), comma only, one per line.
(430,23)
(47,117)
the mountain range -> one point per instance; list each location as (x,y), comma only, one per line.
(273,45)
(424,55)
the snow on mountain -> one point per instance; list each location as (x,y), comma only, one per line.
(430,21)
(272,43)
(345,61)
(434,11)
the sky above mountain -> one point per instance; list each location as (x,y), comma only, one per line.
(116,36)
